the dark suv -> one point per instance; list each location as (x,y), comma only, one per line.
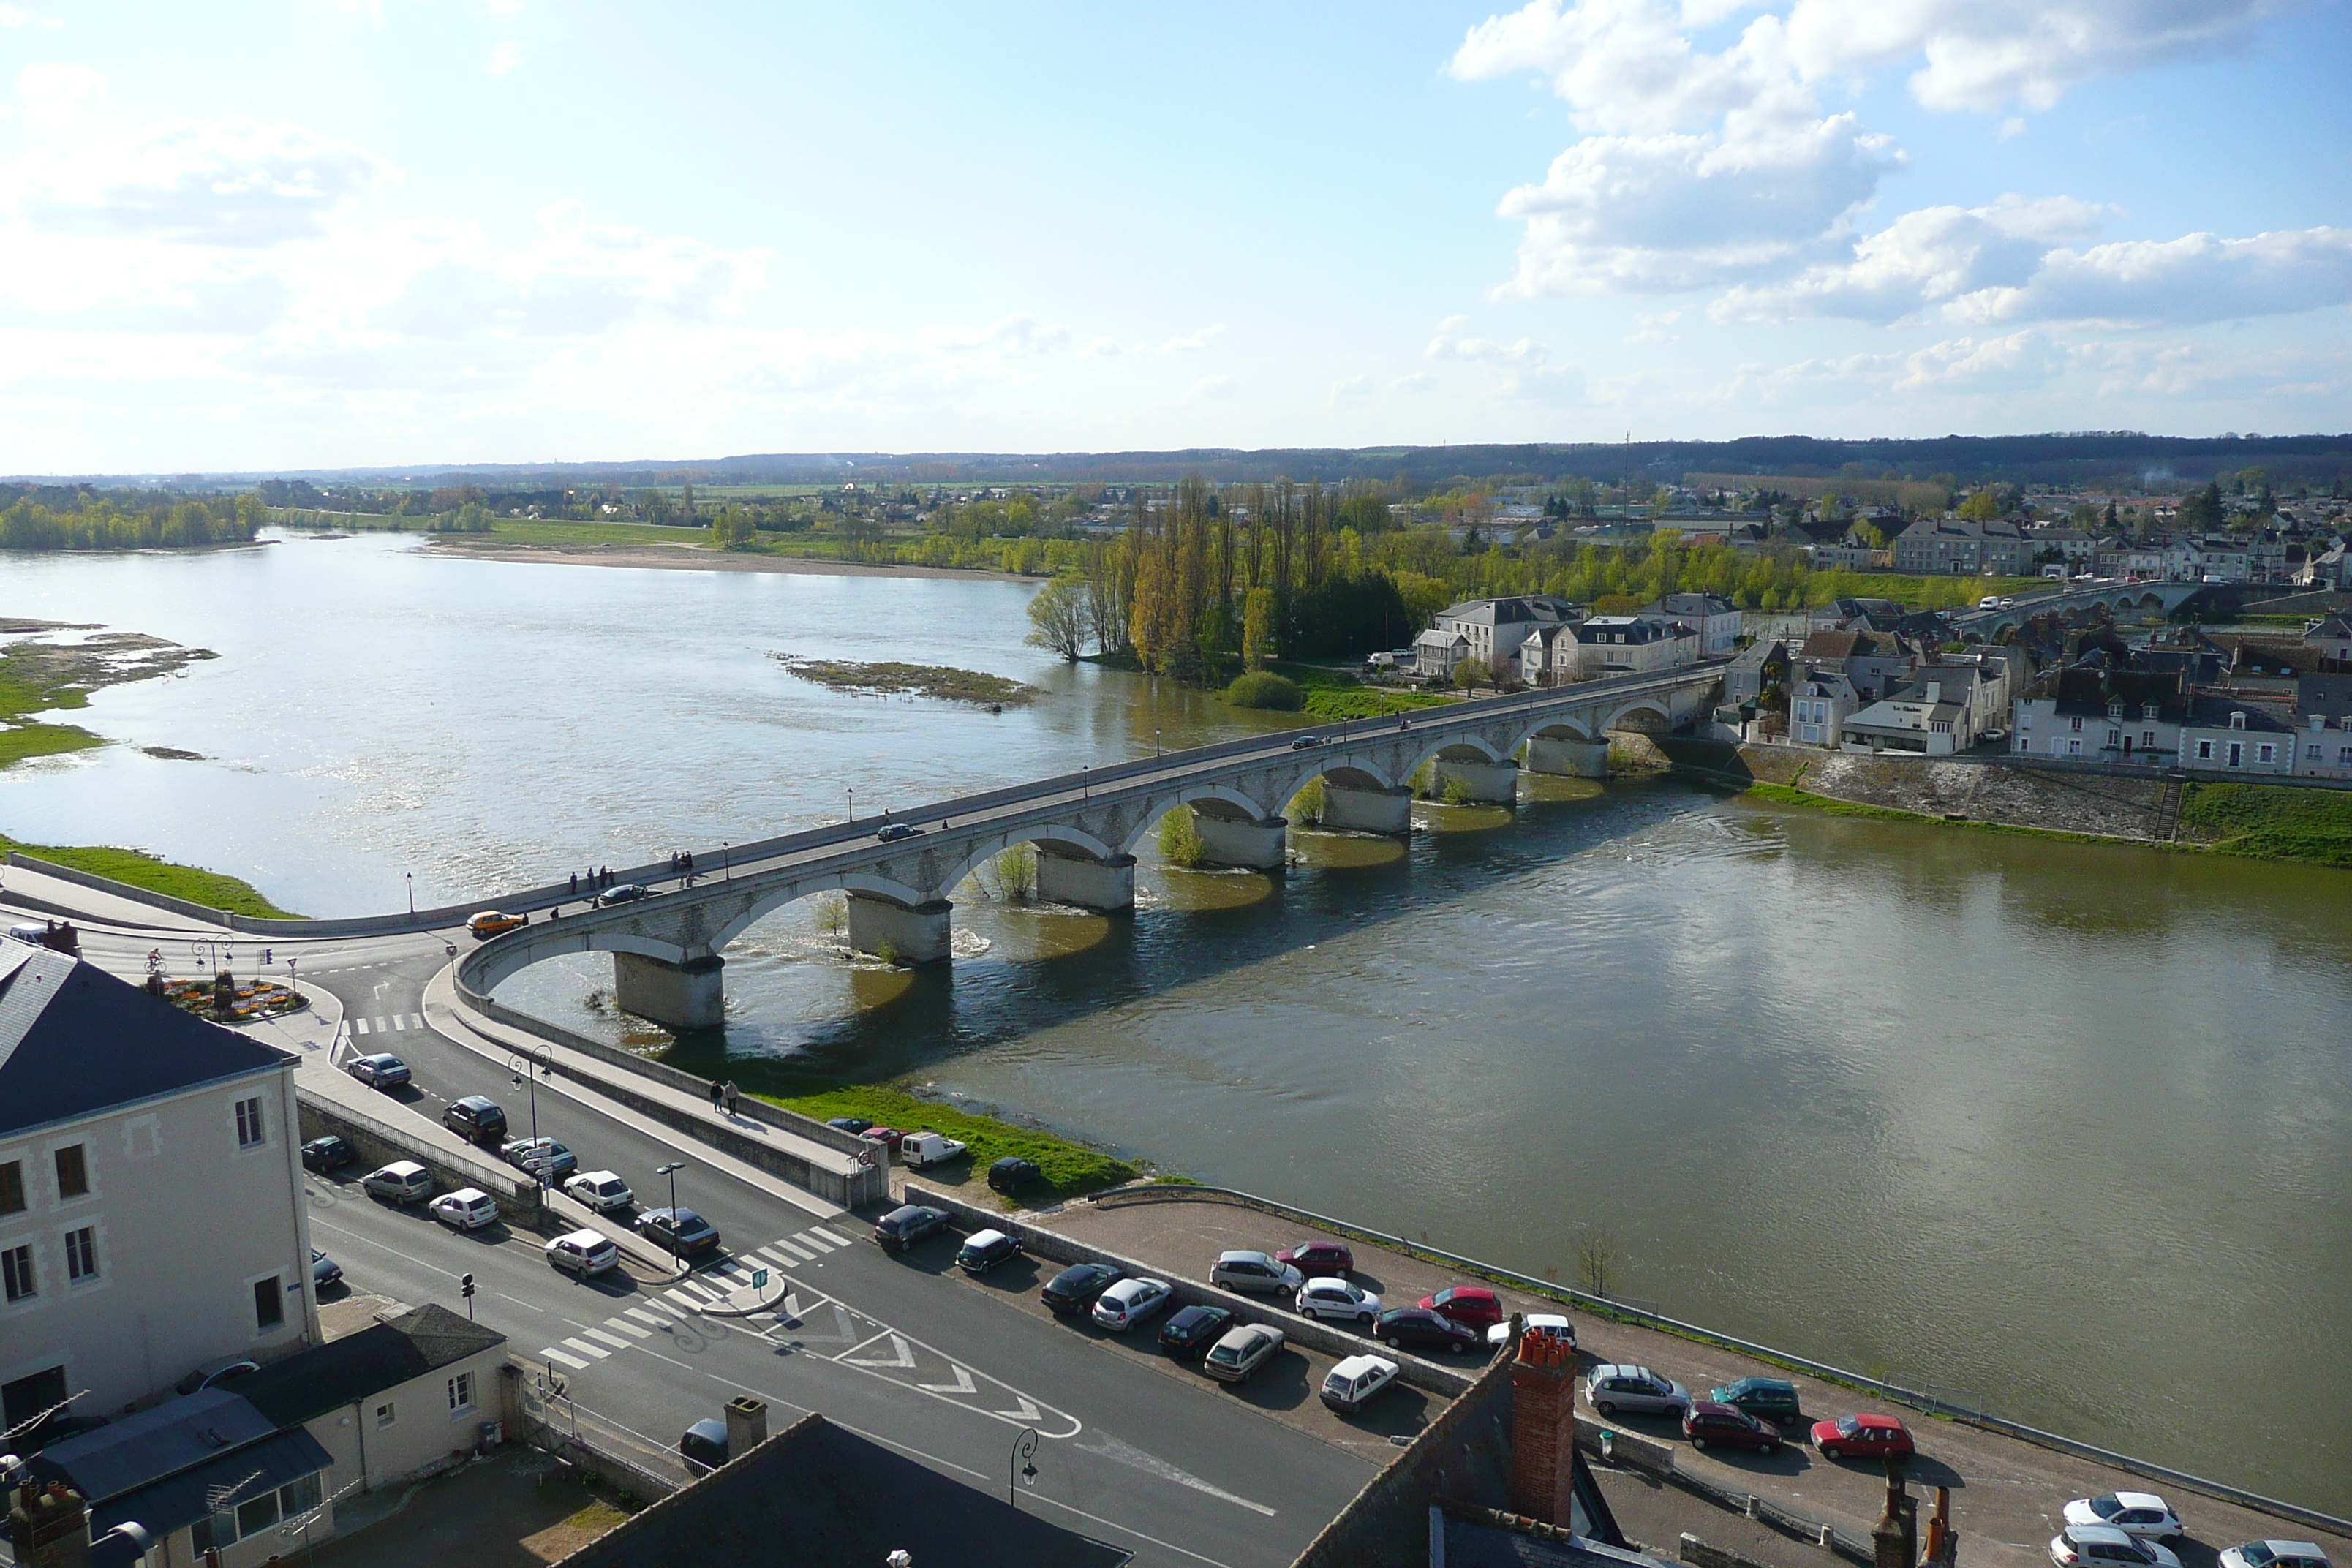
(1012,1173)
(475,1117)
(906,1224)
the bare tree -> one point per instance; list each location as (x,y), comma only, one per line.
(1599,1261)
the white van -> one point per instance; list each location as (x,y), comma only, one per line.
(403,1181)
(918,1150)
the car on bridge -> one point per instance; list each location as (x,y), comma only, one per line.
(495,922)
(895,831)
(382,1070)
(1306,742)
(626,893)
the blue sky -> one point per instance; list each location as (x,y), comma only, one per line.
(301,232)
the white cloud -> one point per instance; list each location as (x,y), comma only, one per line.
(18,17)
(2015,362)
(1527,351)
(1922,258)
(1353,389)
(504,58)
(1192,343)
(1211,386)
(2197,277)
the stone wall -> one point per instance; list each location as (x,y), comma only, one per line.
(1981,791)
(1461,1458)
(380,1144)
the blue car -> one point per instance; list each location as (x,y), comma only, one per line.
(382,1070)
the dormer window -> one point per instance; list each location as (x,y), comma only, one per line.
(2237,720)
(2116,709)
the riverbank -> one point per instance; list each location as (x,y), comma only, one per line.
(1068,1170)
(684,556)
(213,890)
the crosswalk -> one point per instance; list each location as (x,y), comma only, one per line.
(390,1024)
(692,1295)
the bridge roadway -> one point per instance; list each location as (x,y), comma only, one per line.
(2107,593)
(1084,826)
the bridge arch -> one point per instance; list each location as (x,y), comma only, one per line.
(1059,839)
(854,881)
(1643,714)
(1208,800)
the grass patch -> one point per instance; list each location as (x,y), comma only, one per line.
(141,870)
(1070,1168)
(27,740)
(888,680)
(1335,694)
(2271,822)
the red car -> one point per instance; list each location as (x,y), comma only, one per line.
(1729,1426)
(1862,1438)
(888,1137)
(1319,1259)
(1471,1306)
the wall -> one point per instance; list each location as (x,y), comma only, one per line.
(175,1282)
(380,1144)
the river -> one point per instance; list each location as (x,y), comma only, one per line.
(2067,1127)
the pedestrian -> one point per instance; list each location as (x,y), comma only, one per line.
(730,1097)
(575,884)
(717,1093)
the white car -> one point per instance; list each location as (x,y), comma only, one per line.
(1131,1301)
(2142,1514)
(468,1208)
(599,1190)
(1355,1380)
(583,1253)
(1336,1300)
(2274,1554)
(1539,1325)
(2105,1546)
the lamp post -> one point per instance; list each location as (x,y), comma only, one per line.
(1155,743)
(726,861)
(410,877)
(853,802)
(520,1065)
(671,1170)
(1025,1448)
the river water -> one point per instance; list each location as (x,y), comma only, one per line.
(2067,1128)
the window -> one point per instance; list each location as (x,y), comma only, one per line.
(385,1415)
(461,1394)
(251,1517)
(81,1254)
(17,1273)
(12,1187)
(2114,739)
(2074,748)
(269,1304)
(73,1172)
(2075,724)
(2205,750)
(250,1130)
(2344,756)
(2148,739)
(256,1514)
(2267,751)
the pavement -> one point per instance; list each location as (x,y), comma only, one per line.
(2007,1493)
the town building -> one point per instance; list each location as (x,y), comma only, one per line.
(1490,630)
(1871,661)
(1622,645)
(1761,664)
(151,1192)
(1964,547)
(1819,706)
(1921,721)
(1713,619)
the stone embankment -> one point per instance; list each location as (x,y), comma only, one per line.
(2146,809)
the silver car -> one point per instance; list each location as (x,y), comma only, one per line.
(1636,1389)
(1242,1352)
(1255,1271)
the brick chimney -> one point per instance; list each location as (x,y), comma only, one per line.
(1895,1539)
(50,1527)
(1543,1428)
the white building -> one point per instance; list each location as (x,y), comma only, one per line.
(2223,736)
(1918,720)
(1819,706)
(151,1192)
(1712,617)
(1493,630)
(1618,645)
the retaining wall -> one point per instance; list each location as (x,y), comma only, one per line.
(1461,1458)
(380,1144)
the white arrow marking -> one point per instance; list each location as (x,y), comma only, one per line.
(902,1355)
(962,1384)
(1028,1411)
(1110,1448)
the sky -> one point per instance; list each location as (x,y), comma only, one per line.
(323,232)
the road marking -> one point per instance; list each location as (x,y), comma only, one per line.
(628,1327)
(397,1022)
(519,1300)
(822,1244)
(552,1353)
(359,1026)
(778,1256)
(829,1235)
(785,1246)
(585,1348)
(691,1304)
(655,1319)
(901,1355)
(962,1384)
(1111,1448)
(615,1341)
(416,1020)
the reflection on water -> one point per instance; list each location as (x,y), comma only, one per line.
(2068,1125)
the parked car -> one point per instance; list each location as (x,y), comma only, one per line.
(1729,1426)
(538,1154)
(921,1149)
(475,1117)
(1319,1259)
(850,1123)
(1418,1329)
(1242,1352)
(679,1232)
(1355,1380)
(495,922)
(1337,1301)
(215,1371)
(1613,1388)
(1773,1398)
(403,1182)
(1195,1328)
(906,1224)
(1545,1325)
(382,1070)
(1863,1437)
(1074,1289)
(984,1249)
(1010,1174)
(583,1254)
(324,1270)
(705,1443)
(2274,1554)
(895,831)
(329,1154)
(599,1190)
(1471,1306)
(2142,1514)
(2105,1546)
(1306,742)
(1255,1271)
(626,893)
(468,1208)
(888,1137)
(1127,1302)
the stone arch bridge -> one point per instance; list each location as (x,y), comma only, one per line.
(1084,828)
(2110,594)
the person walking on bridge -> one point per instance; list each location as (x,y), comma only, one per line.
(718,1094)
(730,1097)
(575,884)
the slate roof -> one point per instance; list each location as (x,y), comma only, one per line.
(75,1041)
(156,1466)
(296,1388)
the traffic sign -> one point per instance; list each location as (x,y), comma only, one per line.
(759,1280)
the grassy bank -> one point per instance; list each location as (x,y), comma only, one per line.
(212,888)
(1335,694)
(2271,822)
(1070,1168)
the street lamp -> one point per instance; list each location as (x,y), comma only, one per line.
(726,861)
(1155,743)
(410,877)
(853,802)
(520,1064)
(1024,1448)
(671,1170)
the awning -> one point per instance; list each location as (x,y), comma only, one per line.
(177,1501)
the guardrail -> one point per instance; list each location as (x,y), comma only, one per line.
(1918,1398)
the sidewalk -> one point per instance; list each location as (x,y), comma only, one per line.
(23,888)
(580,1077)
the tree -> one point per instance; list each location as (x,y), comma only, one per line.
(1058,617)
(1982,505)
(1257,628)
(1472,673)
(734,528)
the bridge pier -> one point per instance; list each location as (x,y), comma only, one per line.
(1485,784)
(1355,808)
(1569,759)
(1105,886)
(680,997)
(1261,845)
(919,934)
